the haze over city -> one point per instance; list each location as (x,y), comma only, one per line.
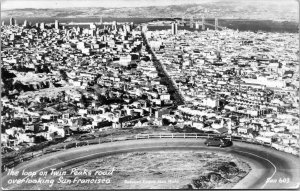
(20,4)
(250,9)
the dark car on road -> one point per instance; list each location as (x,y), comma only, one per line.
(217,141)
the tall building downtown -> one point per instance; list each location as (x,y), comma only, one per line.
(174,28)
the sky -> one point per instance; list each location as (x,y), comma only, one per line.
(18,4)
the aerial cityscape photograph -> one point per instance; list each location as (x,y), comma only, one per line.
(162,94)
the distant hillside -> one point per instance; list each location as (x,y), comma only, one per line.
(230,9)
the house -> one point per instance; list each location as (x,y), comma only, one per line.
(49,117)
(143,103)
(47,135)
(4,139)
(165,96)
(160,112)
(262,139)
(24,137)
(244,130)
(76,82)
(116,125)
(170,118)
(221,130)
(83,112)
(103,109)
(197,125)
(138,124)
(136,104)
(58,129)
(278,146)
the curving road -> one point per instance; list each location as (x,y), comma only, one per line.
(282,169)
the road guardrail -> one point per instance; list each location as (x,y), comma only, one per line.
(75,144)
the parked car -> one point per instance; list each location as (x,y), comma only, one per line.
(86,137)
(217,141)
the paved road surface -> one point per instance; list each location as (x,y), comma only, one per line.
(265,163)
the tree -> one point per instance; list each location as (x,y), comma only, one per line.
(102,99)
(165,122)
(39,139)
(84,101)
(5,74)
(63,75)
